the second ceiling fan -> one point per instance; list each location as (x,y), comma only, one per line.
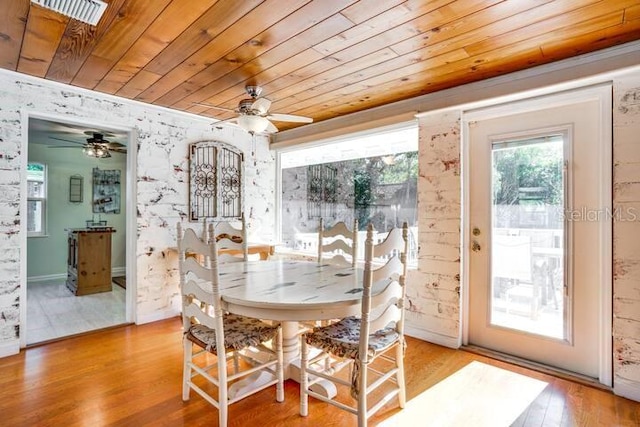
(95,145)
(253,113)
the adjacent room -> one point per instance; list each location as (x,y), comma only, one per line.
(312,212)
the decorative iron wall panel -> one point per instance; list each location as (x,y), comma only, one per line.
(322,186)
(215,184)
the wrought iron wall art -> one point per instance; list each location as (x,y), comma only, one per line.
(215,182)
(106,191)
(322,187)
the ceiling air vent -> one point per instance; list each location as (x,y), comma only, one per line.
(89,11)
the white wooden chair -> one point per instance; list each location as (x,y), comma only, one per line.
(377,336)
(336,242)
(231,241)
(213,332)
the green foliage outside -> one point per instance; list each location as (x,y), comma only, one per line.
(529,174)
(370,174)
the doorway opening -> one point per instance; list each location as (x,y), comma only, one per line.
(77,277)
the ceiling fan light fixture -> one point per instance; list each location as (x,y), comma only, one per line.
(96,151)
(253,124)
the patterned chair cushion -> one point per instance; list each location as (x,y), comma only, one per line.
(239,332)
(342,339)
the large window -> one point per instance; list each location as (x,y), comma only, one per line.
(36,199)
(371,178)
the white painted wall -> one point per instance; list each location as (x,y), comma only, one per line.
(46,255)
(162,137)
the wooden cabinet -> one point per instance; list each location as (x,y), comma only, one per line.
(89,261)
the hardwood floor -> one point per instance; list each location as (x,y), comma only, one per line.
(131,376)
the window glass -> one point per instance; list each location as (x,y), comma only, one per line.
(36,199)
(371,178)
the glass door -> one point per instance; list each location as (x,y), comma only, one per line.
(538,267)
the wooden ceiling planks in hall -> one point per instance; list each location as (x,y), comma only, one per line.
(242,31)
(318,58)
(482,66)
(359,60)
(171,22)
(42,35)
(13,21)
(133,18)
(78,41)
(486,57)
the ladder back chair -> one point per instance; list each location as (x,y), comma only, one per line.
(336,242)
(371,344)
(232,241)
(208,330)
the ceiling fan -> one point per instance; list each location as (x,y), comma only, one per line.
(253,113)
(95,146)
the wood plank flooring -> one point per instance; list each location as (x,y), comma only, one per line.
(131,376)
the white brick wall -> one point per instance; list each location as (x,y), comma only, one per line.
(162,183)
(434,289)
(626,233)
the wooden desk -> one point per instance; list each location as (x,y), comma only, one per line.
(89,260)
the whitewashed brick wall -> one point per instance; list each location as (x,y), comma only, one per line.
(162,182)
(626,234)
(434,289)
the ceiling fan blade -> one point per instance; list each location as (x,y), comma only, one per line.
(67,140)
(271,128)
(262,105)
(289,118)
(113,145)
(63,146)
(201,104)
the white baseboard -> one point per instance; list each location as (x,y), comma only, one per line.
(451,342)
(46,277)
(9,348)
(627,388)
(115,271)
(155,316)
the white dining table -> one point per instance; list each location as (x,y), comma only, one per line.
(289,291)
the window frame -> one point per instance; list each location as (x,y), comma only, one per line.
(43,215)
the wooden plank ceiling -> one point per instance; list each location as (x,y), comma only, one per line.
(321,58)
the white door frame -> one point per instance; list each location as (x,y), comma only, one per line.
(603,94)
(130,203)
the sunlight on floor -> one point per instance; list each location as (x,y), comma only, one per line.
(477,395)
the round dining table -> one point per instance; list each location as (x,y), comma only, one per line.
(288,292)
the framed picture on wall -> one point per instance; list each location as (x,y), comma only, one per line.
(106,191)
(75,188)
